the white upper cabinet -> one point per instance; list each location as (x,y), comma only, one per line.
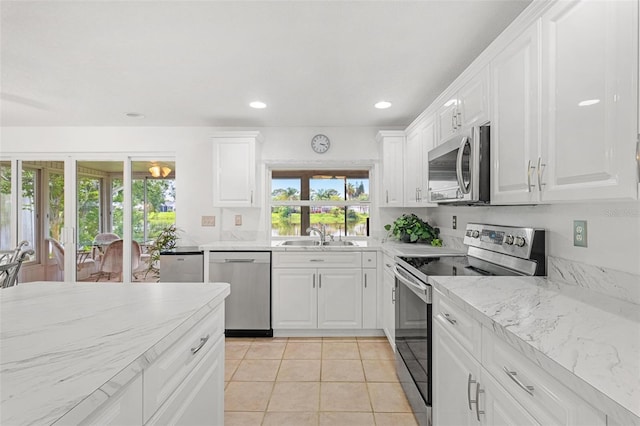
(464,107)
(234,169)
(590,100)
(515,141)
(419,141)
(392,149)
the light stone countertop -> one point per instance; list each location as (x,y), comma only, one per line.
(589,342)
(73,346)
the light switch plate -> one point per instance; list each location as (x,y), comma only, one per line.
(580,233)
(208,221)
(238,220)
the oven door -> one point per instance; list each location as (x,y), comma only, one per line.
(413,342)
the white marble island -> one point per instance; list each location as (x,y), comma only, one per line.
(587,341)
(66,349)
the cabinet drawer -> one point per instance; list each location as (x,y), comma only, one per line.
(341,259)
(369,259)
(549,401)
(465,329)
(165,374)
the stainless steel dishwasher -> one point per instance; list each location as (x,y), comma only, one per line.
(248,307)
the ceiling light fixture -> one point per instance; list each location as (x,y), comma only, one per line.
(258,105)
(134,115)
(383,105)
(157,171)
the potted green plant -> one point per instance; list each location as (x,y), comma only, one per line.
(165,240)
(409,228)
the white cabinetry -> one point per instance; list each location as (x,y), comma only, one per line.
(125,409)
(234,169)
(464,107)
(388,300)
(369,290)
(515,143)
(480,380)
(419,141)
(392,149)
(589,96)
(317,290)
(569,132)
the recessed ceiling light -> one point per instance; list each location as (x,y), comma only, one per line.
(257,105)
(134,115)
(383,105)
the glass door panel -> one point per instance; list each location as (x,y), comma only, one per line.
(5,206)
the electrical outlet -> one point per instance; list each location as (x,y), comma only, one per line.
(208,221)
(580,233)
(238,220)
(454,222)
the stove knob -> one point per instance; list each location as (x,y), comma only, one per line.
(519,241)
(475,234)
(508,240)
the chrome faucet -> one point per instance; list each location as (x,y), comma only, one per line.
(322,231)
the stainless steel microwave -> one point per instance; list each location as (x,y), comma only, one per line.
(459,169)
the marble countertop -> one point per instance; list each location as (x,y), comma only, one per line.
(72,346)
(588,341)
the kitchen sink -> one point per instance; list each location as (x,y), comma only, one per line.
(312,243)
(300,243)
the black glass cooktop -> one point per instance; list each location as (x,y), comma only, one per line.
(441,266)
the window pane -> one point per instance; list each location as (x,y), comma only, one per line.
(285,221)
(5,206)
(331,217)
(117,199)
(29,207)
(88,211)
(358,220)
(56,204)
(327,188)
(285,189)
(358,189)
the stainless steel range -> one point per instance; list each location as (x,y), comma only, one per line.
(491,250)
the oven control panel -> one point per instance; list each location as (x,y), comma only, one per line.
(511,240)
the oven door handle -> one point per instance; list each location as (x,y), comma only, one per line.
(420,289)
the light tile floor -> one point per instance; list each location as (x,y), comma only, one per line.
(313,381)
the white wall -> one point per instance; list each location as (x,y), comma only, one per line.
(191,147)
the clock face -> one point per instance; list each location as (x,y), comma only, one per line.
(320,144)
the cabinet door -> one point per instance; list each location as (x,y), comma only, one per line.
(455,379)
(413,168)
(515,120)
(339,298)
(392,164)
(590,78)
(294,298)
(234,170)
(199,400)
(473,102)
(388,302)
(499,407)
(447,118)
(369,298)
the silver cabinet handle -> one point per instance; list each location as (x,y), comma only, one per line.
(319,280)
(453,120)
(393,295)
(469,382)
(196,349)
(387,196)
(316,260)
(314,280)
(365,280)
(478,392)
(448,318)
(251,197)
(540,166)
(512,375)
(239,260)
(530,168)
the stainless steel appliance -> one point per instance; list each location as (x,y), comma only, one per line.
(491,250)
(181,265)
(248,307)
(459,169)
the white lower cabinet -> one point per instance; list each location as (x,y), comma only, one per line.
(195,401)
(388,300)
(491,383)
(125,409)
(339,298)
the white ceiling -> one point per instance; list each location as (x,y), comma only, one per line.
(199,63)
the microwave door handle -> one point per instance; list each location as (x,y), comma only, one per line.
(464,189)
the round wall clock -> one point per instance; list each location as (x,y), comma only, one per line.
(320,144)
